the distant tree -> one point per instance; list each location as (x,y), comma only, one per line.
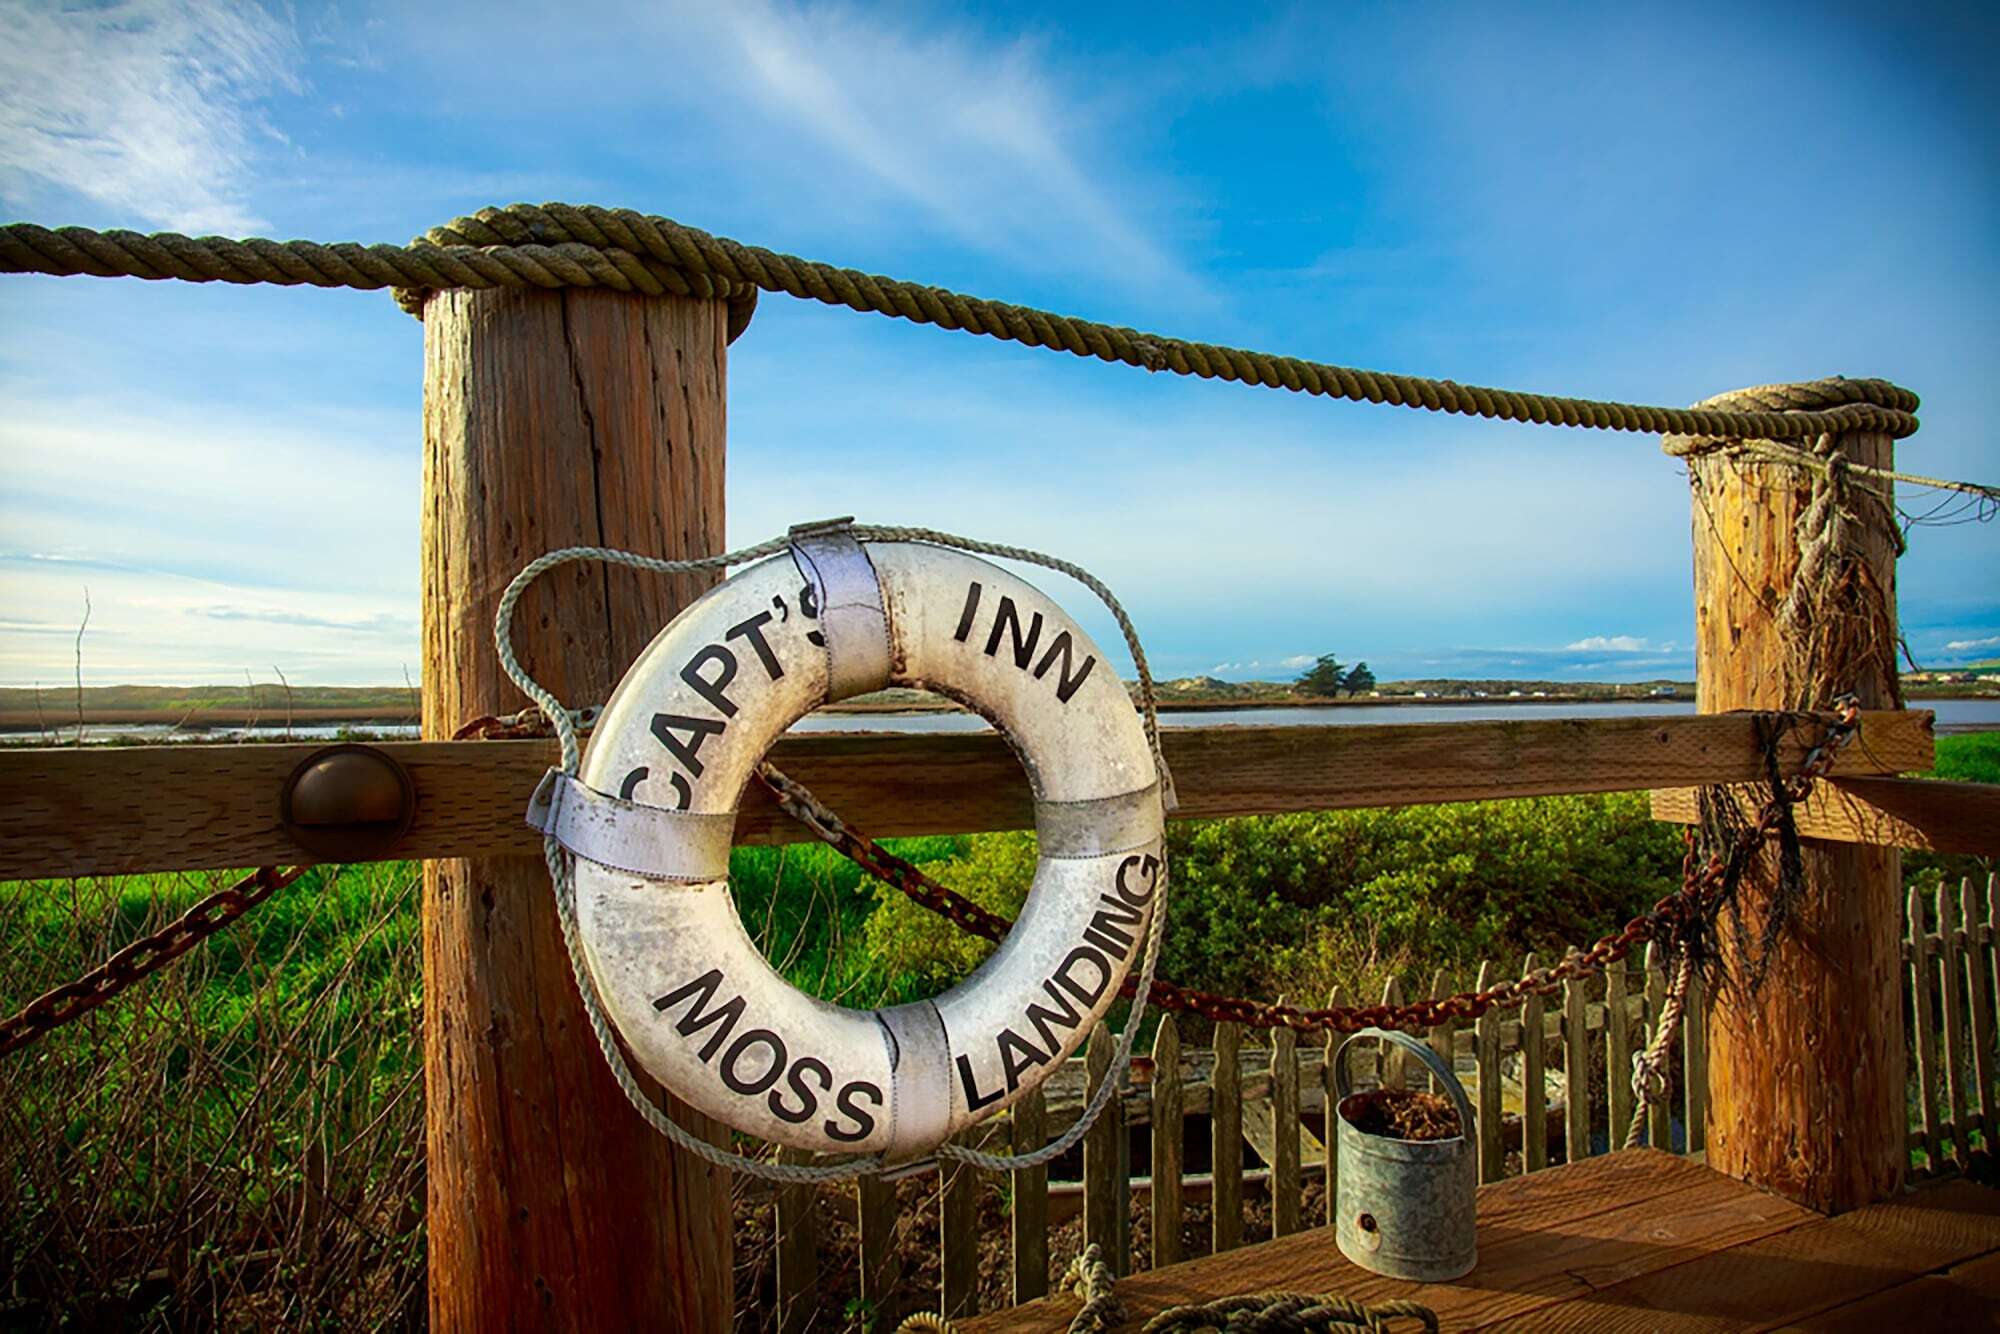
(1323,678)
(1358,680)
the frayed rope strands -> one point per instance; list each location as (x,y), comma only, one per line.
(563,245)
(1649,1067)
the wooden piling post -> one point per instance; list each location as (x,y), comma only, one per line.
(554,419)
(1806,1076)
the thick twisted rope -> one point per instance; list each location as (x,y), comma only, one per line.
(1090,1278)
(1289,1313)
(1807,398)
(563,245)
(562,865)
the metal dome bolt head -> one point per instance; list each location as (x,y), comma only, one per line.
(348,803)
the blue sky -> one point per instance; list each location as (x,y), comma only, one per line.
(1652,203)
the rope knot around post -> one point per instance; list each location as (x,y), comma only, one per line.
(562,245)
(1837,396)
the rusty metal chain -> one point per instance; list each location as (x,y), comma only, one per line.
(527,724)
(143,957)
(1702,882)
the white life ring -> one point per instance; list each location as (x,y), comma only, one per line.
(652,812)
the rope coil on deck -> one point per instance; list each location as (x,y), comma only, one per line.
(1090,1278)
(553,246)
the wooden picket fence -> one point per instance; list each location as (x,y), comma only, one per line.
(1559,1099)
(1953,1052)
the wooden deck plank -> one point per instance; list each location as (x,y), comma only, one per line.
(1601,1214)
(1643,1241)
(1964,1296)
(1795,1275)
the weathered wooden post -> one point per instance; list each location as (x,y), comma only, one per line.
(554,419)
(1806,1074)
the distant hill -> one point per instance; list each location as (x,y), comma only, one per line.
(27,708)
(270,700)
(1213,688)
(59,699)
(1210,690)
(1501,688)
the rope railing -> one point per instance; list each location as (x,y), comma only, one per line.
(553,246)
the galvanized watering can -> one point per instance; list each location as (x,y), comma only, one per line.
(1405,1207)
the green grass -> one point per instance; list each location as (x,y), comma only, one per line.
(1972,757)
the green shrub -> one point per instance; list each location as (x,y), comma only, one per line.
(1295,903)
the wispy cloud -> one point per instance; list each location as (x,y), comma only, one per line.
(380,623)
(981,135)
(1612,644)
(1292,663)
(886,130)
(210,541)
(1968,645)
(161,628)
(150,109)
(8,627)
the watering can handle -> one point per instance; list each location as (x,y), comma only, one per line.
(1341,1086)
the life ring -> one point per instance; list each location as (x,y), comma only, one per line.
(652,812)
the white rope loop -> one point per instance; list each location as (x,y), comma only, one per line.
(562,865)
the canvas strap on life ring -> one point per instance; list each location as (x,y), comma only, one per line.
(650,816)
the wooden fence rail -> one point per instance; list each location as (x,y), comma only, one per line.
(1271,1095)
(115,810)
